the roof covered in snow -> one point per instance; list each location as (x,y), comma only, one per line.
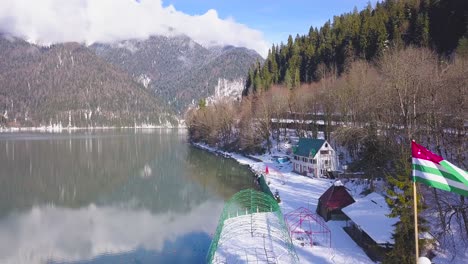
(338,183)
(370,214)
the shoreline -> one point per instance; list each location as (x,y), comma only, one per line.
(258,176)
(234,156)
(58,129)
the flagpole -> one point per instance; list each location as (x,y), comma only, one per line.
(415,205)
(416,233)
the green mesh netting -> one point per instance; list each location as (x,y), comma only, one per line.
(264,186)
(248,202)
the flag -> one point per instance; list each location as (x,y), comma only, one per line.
(433,170)
(266,170)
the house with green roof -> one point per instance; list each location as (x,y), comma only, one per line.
(314,158)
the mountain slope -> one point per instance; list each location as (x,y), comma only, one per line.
(159,58)
(69,84)
(177,69)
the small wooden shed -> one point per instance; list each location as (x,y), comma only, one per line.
(333,200)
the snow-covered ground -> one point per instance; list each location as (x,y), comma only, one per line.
(299,191)
(251,238)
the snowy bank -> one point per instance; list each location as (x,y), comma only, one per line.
(298,191)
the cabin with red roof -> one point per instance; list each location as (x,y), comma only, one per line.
(332,201)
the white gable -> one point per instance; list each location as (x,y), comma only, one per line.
(325,146)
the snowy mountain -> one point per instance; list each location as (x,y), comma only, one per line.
(68,84)
(132,82)
(177,69)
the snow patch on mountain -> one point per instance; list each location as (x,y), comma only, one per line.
(186,61)
(144,80)
(128,45)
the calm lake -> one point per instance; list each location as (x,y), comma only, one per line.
(117,196)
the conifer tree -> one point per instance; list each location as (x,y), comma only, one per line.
(462,49)
(273,65)
(249,82)
(400,200)
(266,76)
(422,30)
(202,103)
(257,83)
(290,45)
(366,34)
(288,80)
(297,80)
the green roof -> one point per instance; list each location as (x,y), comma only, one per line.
(308,146)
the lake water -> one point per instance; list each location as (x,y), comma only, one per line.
(126,196)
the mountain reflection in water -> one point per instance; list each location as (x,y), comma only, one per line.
(110,197)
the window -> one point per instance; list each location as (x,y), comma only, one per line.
(311,161)
(324,152)
(304,159)
(314,161)
(326,162)
(326,145)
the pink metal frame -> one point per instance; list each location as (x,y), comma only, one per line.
(303,221)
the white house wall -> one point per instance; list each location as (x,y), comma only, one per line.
(324,162)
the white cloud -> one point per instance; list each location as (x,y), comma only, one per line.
(46,233)
(89,21)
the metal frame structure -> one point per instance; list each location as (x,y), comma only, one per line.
(303,222)
(244,205)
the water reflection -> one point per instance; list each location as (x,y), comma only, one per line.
(172,252)
(218,174)
(101,196)
(61,234)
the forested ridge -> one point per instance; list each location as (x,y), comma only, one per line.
(365,34)
(68,84)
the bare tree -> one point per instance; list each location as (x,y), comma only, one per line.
(249,140)
(406,74)
(263,113)
(279,103)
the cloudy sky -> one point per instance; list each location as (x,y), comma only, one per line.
(254,24)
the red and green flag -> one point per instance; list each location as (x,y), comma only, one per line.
(433,170)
